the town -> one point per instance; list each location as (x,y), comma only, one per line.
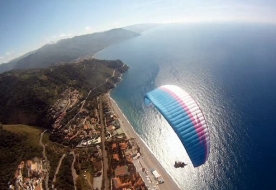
(104,157)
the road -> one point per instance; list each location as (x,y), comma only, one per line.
(83,102)
(45,158)
(60,161)
(113,74)
(74,174)
(104,153)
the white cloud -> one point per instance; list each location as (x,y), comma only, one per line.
(9,53)
(62,35)
(54,38)
(87,30)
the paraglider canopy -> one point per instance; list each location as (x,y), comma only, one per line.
(185,117)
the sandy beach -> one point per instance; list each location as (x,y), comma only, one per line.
(148,158)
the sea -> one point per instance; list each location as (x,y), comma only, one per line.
(230,70)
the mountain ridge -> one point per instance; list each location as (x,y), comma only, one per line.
(69,49)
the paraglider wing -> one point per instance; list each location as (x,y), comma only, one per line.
(185,117)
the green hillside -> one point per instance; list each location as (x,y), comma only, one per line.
(27,96)
(18,142)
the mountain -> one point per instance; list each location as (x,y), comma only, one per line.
(27,95)
(11,64)
(69,49)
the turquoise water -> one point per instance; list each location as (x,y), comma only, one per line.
(230,70)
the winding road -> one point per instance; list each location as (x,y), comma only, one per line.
(45,158)
(59,163)
(83,102)
(105,161)
(74,174)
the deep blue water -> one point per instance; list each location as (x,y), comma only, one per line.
(230,70)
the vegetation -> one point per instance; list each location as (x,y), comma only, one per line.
(54,152)
(85,168)
(27,96)
(18,142)
(64,178)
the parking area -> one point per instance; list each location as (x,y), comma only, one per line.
(145,173)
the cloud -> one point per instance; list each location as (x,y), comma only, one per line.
(62,35)
(9,53)
(87,28)
(54,38)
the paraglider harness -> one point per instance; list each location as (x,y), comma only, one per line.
(178,164)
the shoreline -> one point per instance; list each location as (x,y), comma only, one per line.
(148,157)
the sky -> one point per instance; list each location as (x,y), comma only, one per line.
(26,25)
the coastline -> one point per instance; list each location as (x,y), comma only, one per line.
(148,157)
